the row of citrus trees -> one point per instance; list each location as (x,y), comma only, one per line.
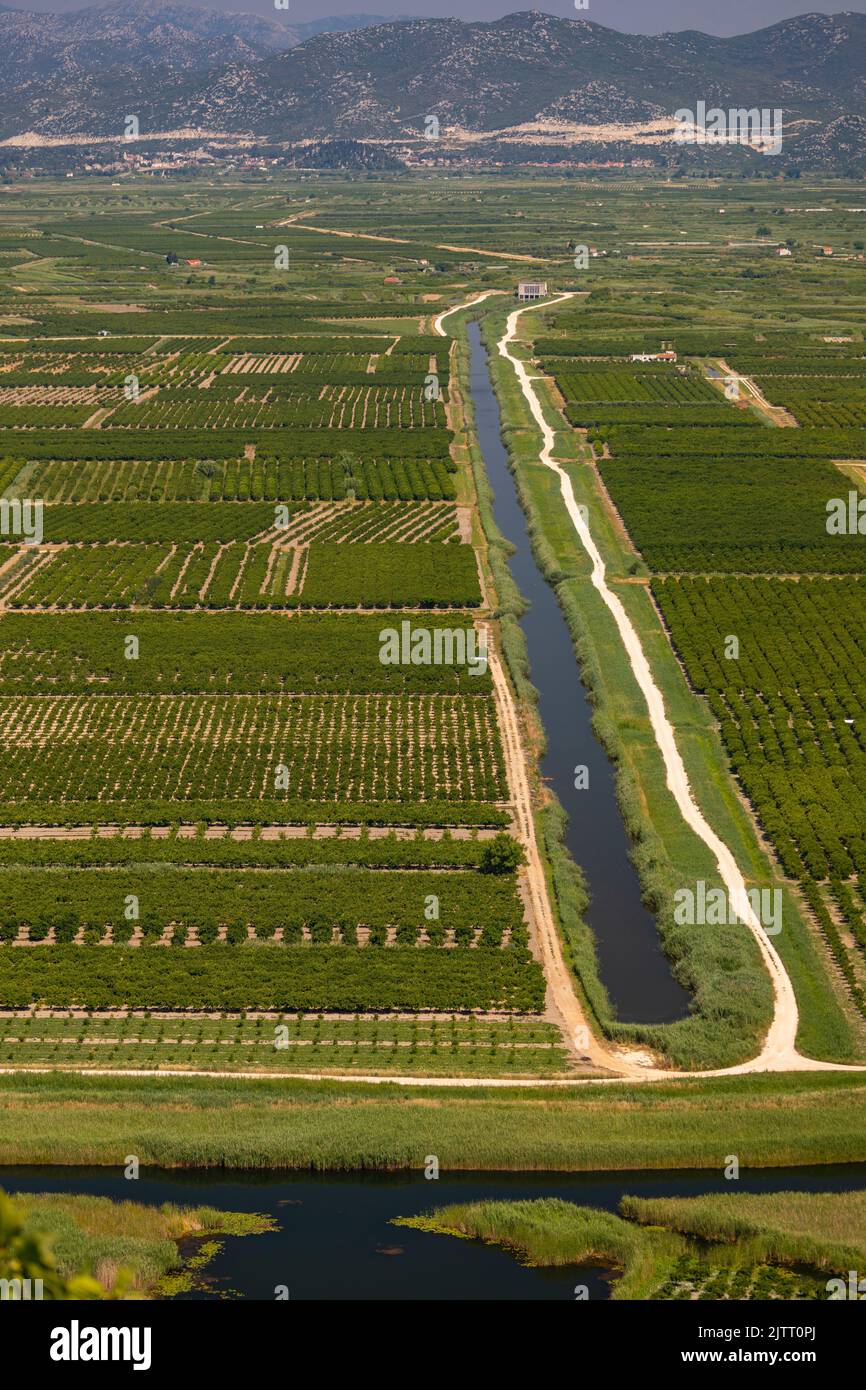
(267,977)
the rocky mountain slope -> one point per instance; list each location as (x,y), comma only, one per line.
(529,79)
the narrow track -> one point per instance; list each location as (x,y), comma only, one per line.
(779,1050)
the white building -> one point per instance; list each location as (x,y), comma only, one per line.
(531,289)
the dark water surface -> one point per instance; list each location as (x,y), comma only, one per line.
(335,1240)
(631,962)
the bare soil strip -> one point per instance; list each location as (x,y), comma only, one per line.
(776,414)
(404,241)
(562,999)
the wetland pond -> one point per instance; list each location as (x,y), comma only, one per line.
(335,1240)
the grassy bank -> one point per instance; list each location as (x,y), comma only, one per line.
(824,1230)
(128,1248)
(550,1232)
(732,1246)
(197,1122)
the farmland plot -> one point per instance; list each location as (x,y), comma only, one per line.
(789,712)
(304,748)
(426,1043)
(788,706)
(267,478)
(703,515)
(181,905)
(222,452)
(274,977)
(201,653)
(320,407)
(230,574)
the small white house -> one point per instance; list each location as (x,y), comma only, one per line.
(531,289)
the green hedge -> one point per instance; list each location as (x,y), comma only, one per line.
(271,977)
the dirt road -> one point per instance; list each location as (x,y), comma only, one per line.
(562,999)
(779,1051)
(405,241)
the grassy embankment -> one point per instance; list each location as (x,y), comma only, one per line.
(268,1123)
(565,882)
(550,1232)
(725,1246)
(135,1250)
(721,967)
(825,1230)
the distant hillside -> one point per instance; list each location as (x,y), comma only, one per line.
(84,53)
(529,81)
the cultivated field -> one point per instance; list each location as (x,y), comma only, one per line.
(236,833)
(217,797)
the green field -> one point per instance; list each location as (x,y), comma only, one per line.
(248,475)
(774,1121)
(228,806)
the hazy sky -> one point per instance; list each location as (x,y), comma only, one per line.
(634,16)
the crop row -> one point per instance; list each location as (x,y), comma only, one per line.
(827,414)
(740,439)
(603,418)
(207,653)
(370,368)
(339,407)
(272,977)
(366,522)
(264,479)
(27,395)
(408,849)
(89,522)
(229,575)
(318,748)
(301,904)
(829,915)
(42,417)
(141,444)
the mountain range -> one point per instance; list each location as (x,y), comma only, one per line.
(530,85)
(93,45)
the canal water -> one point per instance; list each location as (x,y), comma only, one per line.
(335,1240)
(631,962)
